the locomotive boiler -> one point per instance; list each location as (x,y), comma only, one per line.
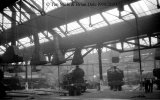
(115,78)
(74,81)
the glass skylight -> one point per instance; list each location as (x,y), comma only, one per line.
(83,51)
(22,19)
(20,46)
(48,6)
(109,45)
(126,46)
(141,8)
(118,45)
(104,49)
(112,16)
(48,34)
(2,48)
(7,11)
(93,51)
(127,13)
(93,22)
(133,41)
(152,5)
(23,14)
(97,21)
(42,38)
(67,54)
(6,23)
(34,10)
(26,42)
(85,22)
(144,41)
(154,40)
(38,2)
(58,32)
(72,28)
(9,44)
(1,52)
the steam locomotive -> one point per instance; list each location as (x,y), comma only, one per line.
(115,78)
(74,82)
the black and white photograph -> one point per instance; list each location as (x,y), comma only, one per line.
(79,49)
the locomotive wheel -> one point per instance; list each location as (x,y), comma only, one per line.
(78,91)
(71,93)
(119,88)
(83,89)
(111,87)
(75,92)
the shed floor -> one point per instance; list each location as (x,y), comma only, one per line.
(90,94)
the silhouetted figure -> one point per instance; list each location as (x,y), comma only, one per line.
(2,87)
(151,85)
(146,85)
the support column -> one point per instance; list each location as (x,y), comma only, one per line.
(36,52)
(139,51)
(26,71)
(158,39)
(37,44)
(49,57)
(26,76)
(35,38)
(100,67)
(13,24)
(150,43)
(137,58)
(59,77)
